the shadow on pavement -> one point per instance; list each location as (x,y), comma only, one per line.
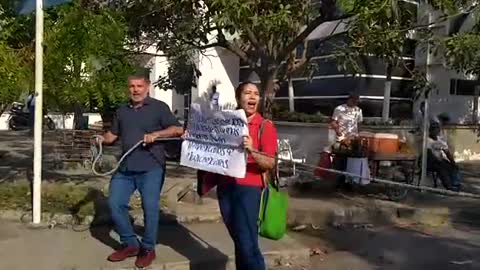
(170,233)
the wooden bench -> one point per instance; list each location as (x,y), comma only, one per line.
(73,146)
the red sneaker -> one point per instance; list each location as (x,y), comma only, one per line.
(123,253)
(145,258)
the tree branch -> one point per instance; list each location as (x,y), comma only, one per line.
(242,54)
(207,46)
(253,39)
(441,19)
(307,31)
(130,52)
(305,59)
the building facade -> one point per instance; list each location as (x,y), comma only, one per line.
(328,87)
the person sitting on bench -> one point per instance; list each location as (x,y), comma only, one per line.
(441,161)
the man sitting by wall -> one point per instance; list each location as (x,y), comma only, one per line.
(440,160)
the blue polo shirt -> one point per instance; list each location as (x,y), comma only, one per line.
(131,124)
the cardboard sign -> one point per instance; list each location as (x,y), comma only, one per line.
(213,141)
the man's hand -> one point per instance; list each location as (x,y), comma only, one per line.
(99,139)
(334,125)
(107,138)
(247,143)
(149,138)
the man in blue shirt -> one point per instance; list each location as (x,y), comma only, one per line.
(147,119)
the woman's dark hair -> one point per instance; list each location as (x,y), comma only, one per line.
(240,88)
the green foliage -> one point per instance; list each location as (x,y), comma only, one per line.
(461,48)
(13,75)
(463,52)
(14,65)
(263,34)
(300,117)
(85,58)
(380,29)
(85,61)
(181,75)
(267,26)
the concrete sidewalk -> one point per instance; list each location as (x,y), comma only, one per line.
(200,246)
(337,209)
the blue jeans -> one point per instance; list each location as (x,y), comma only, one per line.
(239,206)
(122,186)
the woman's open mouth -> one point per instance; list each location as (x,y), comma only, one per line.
(251,105)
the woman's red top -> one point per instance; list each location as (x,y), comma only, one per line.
(268,143)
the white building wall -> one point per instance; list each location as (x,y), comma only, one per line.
(221,68)
(159,67)
(458,107)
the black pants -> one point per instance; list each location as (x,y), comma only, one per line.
(445,170)
(340,164)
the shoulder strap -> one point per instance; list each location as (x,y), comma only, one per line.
(266,176)
(260,133)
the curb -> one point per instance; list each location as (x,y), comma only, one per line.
(272,259)
(377,213)
(59,219)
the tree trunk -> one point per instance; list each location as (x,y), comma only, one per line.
(291,95)
(386,94)
(107,119)
(268,93)
(78,119)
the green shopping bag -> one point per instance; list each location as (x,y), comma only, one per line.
(273,212)
(272,215)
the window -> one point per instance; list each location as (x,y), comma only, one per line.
(463,87)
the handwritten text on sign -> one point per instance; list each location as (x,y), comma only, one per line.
(213,141)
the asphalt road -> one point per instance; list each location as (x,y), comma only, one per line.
(392,248)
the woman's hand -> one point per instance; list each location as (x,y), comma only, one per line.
(247,143)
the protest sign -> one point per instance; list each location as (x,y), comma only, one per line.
(213,141)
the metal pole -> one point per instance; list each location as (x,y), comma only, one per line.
(475,105)
(386,101)
(425,138)
(426,114)
(387,92)
(37,141)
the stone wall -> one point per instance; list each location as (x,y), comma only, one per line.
(464,142)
